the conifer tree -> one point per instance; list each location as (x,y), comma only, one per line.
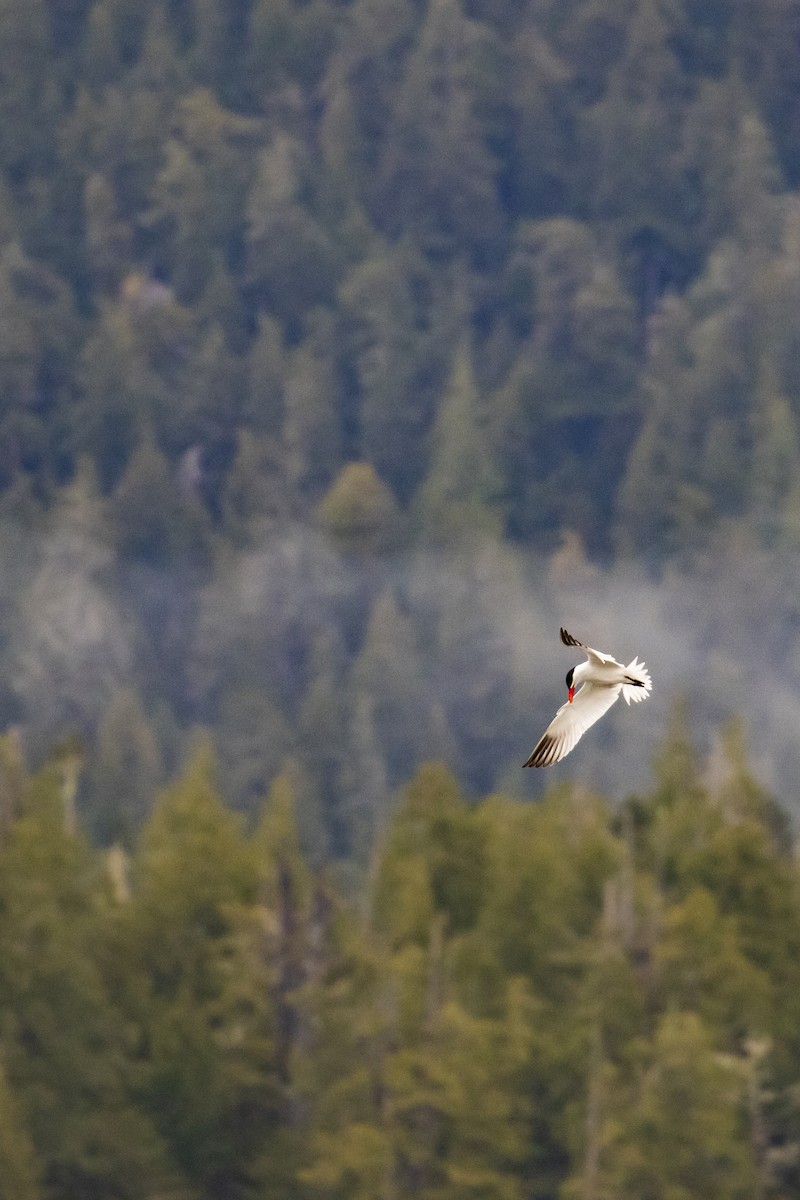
(292,263)
(436,175)
(109,239)
(679,1128)
(124,771)
(67,1057)
(199,991)
(393,317)
(359,511)
(155,521)
(457,497)
(19,1174)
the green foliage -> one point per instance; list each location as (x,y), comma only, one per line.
(547,868)
(180,878)
(359,511)
(198,984)
(393,320)
(678,1132)
(321,325)
(18,1168)
(65,1052)
(389,675)
(525,1002)
(153,519)
(199,192)
(434,858)
(456,498)
(702,968)
(569,174)
(126,765)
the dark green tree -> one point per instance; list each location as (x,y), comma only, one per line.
(18,1167)
(292,262)
(200,191)
(679,1129)
(437,175)
(67,1056)
(125,770)
(155,519)
(457,498)
(196,984)
(393,323)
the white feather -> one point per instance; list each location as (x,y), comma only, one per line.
(602,679)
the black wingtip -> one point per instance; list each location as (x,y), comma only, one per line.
(569,640)
(544,752)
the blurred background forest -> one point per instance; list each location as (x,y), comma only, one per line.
(347,349)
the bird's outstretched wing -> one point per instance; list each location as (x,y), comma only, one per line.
(598,655)
(571,722)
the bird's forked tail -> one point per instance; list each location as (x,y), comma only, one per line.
(639,684)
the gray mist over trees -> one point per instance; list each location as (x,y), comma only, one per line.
(348,348)
(356,668)
(351,349)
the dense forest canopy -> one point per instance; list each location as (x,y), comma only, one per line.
(347,349)
(526,1002)
(350,348)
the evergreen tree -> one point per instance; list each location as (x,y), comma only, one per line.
(26,103)
(292,263)
(254,496)
(702,969)
(254,739)
(199,990)
(117,390)
(124,770)
(67,1057)
(389,669)
(322,724)
(539,169)
(155,521)
(474,660)
(660,504)
(636,189)
(18,1167)
(363,781)
(436,842)
(359,511)
(457,496)
(679,1129)
(201,188)
(436,176)
(39,332)
(312,429)
(393,321)
(108,238)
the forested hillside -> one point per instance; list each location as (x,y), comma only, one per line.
(529,1002)
(347,349)
(350,348)
(516,258)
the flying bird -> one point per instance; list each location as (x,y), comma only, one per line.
(600,679)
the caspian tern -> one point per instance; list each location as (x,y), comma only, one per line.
(602,679)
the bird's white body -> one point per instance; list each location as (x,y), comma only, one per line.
(595,684)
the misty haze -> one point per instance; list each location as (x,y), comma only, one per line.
(348,350)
